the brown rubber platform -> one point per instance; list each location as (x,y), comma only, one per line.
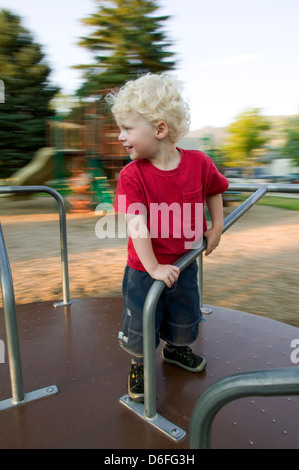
(76,348)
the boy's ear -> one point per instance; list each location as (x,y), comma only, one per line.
(161,130)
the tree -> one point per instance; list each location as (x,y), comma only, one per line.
(27,95)
(246,136)
(127,41)
(291,147)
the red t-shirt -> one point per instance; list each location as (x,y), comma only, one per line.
(172,201)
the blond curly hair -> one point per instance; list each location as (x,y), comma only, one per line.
(156,98)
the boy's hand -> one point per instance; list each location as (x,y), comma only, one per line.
(213,236)
(165,272)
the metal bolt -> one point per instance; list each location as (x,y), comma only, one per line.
(175,432)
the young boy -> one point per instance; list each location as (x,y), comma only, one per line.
(162,191)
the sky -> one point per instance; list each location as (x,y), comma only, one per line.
(231,54)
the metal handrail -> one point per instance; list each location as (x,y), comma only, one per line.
(9,305)
(275,382)
(13,344)
(149,309)
(10,319)
(62,225)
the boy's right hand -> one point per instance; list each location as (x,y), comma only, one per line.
(166,273)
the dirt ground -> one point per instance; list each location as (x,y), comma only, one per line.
(255,269)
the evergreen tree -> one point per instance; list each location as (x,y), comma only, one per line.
(27,95)
(127,41)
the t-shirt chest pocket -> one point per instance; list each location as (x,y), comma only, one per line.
(193,196)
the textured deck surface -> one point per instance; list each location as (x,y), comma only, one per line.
(76,349)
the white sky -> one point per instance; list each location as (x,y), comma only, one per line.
(232,54)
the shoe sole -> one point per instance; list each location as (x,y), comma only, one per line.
(135,396)
(178,364)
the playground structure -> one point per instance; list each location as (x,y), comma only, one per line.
(81,159)
(38,170)
(87,158)
(74,345)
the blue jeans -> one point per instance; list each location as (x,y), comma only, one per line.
(177,315)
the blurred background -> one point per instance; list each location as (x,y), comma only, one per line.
(237,60)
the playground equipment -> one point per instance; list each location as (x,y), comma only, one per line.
(74,345)
(88,156)
(37,171)
(82,159)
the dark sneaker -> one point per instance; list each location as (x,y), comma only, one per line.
(135,382)
(183,357)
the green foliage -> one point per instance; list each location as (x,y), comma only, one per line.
(27,95)
(281,202)
(247,134)
(291,147)
(126,41)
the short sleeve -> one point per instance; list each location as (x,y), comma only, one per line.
(129,195)
(216,182)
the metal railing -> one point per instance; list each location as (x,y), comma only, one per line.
(10,319)
(62,226)
(13,344)
(148,411)
(274,383)
(9,305)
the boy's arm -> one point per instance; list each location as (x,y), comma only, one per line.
(213,235)
(143,247)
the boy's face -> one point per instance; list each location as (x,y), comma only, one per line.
(137,135)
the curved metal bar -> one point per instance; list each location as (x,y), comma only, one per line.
(271,188)
(62,224)
(275,382)
(12,337)
(157,288)
(9,309)
(9,306)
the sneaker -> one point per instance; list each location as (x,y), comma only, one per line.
(135,382)
(183,357)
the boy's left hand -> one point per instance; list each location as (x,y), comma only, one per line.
(213,236)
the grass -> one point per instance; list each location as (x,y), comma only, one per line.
(277,201)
